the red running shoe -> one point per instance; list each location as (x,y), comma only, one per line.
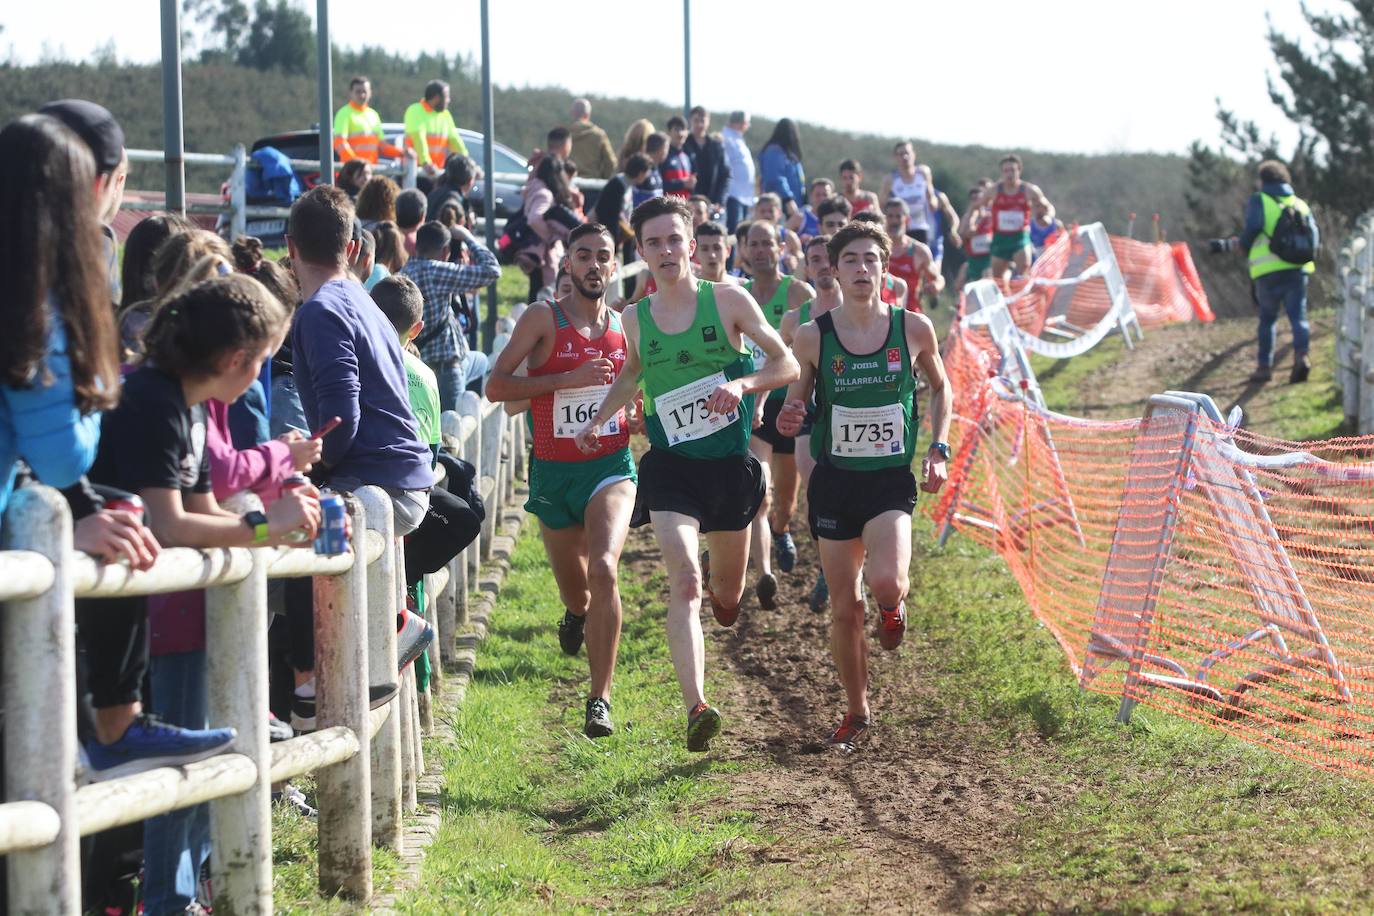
(851,729)
(891,625)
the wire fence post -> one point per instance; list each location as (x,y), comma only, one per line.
(40,706)
(345,789)
(236,669)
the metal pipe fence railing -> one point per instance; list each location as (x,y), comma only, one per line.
(366,762)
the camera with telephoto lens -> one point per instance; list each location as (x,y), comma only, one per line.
(1221,246)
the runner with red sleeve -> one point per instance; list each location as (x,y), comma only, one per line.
(575,349)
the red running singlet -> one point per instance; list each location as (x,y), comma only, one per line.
(1011,212)
(560,415)
(904,265)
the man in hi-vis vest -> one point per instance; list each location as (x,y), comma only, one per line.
(1278,284)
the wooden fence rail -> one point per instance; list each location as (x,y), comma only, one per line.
(366,762)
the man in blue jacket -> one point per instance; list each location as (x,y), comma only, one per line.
(1277,283)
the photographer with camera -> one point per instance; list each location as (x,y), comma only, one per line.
(1281,239)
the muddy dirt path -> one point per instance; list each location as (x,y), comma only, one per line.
(906,823)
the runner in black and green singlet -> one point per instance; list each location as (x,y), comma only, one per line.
(859,359)
(777,294)
(684,347)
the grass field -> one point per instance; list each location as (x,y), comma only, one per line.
(537,816)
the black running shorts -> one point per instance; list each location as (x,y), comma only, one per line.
(841,502)
(768,431)
(722,494)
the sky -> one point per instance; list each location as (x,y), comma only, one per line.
(1085,76)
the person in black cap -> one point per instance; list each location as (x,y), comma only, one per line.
(98,128)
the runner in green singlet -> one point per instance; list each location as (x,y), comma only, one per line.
(860,360)
(778,294)
(822,277)
(684,347)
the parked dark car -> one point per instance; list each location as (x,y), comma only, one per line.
(305,144)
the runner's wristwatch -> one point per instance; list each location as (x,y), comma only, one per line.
(942,448)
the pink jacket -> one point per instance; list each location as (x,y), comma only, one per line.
(260,469)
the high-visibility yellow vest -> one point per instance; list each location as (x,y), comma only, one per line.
(358,135)
(432,134)
(1262,260)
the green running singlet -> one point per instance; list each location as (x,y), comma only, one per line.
(865,403)
(679,372)
(773,310)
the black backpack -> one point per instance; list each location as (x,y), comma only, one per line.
(1295,235)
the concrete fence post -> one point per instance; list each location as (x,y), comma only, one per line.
(236,671)
(345,789)
(40,707)
(381,663)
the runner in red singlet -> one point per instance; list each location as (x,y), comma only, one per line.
(574,348)
(851,187)
(976,228)
(911,260)
(1011,201)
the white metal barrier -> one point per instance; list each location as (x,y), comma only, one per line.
(366,762)
(1355,326)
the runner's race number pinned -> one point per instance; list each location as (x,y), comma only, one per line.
(573,409)
(760,357)
(867,432)
(684,412)
(1011,220)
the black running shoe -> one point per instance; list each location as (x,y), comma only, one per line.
(703,724)
(598,719)
(767,590)
(570,632)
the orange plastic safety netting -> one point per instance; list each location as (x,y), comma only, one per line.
(1183,565)
(1161,280)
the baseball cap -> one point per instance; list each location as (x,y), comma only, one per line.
(95,125)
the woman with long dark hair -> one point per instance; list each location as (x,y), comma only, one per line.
(59,355)
(136,276)
(780,166)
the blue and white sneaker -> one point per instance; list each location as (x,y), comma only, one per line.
(149,743)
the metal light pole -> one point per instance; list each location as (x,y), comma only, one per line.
(326,93)
(173,142)
(488,168)
(687,58)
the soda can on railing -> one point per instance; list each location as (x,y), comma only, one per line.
(333,536)
(295,482)
(127,503)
